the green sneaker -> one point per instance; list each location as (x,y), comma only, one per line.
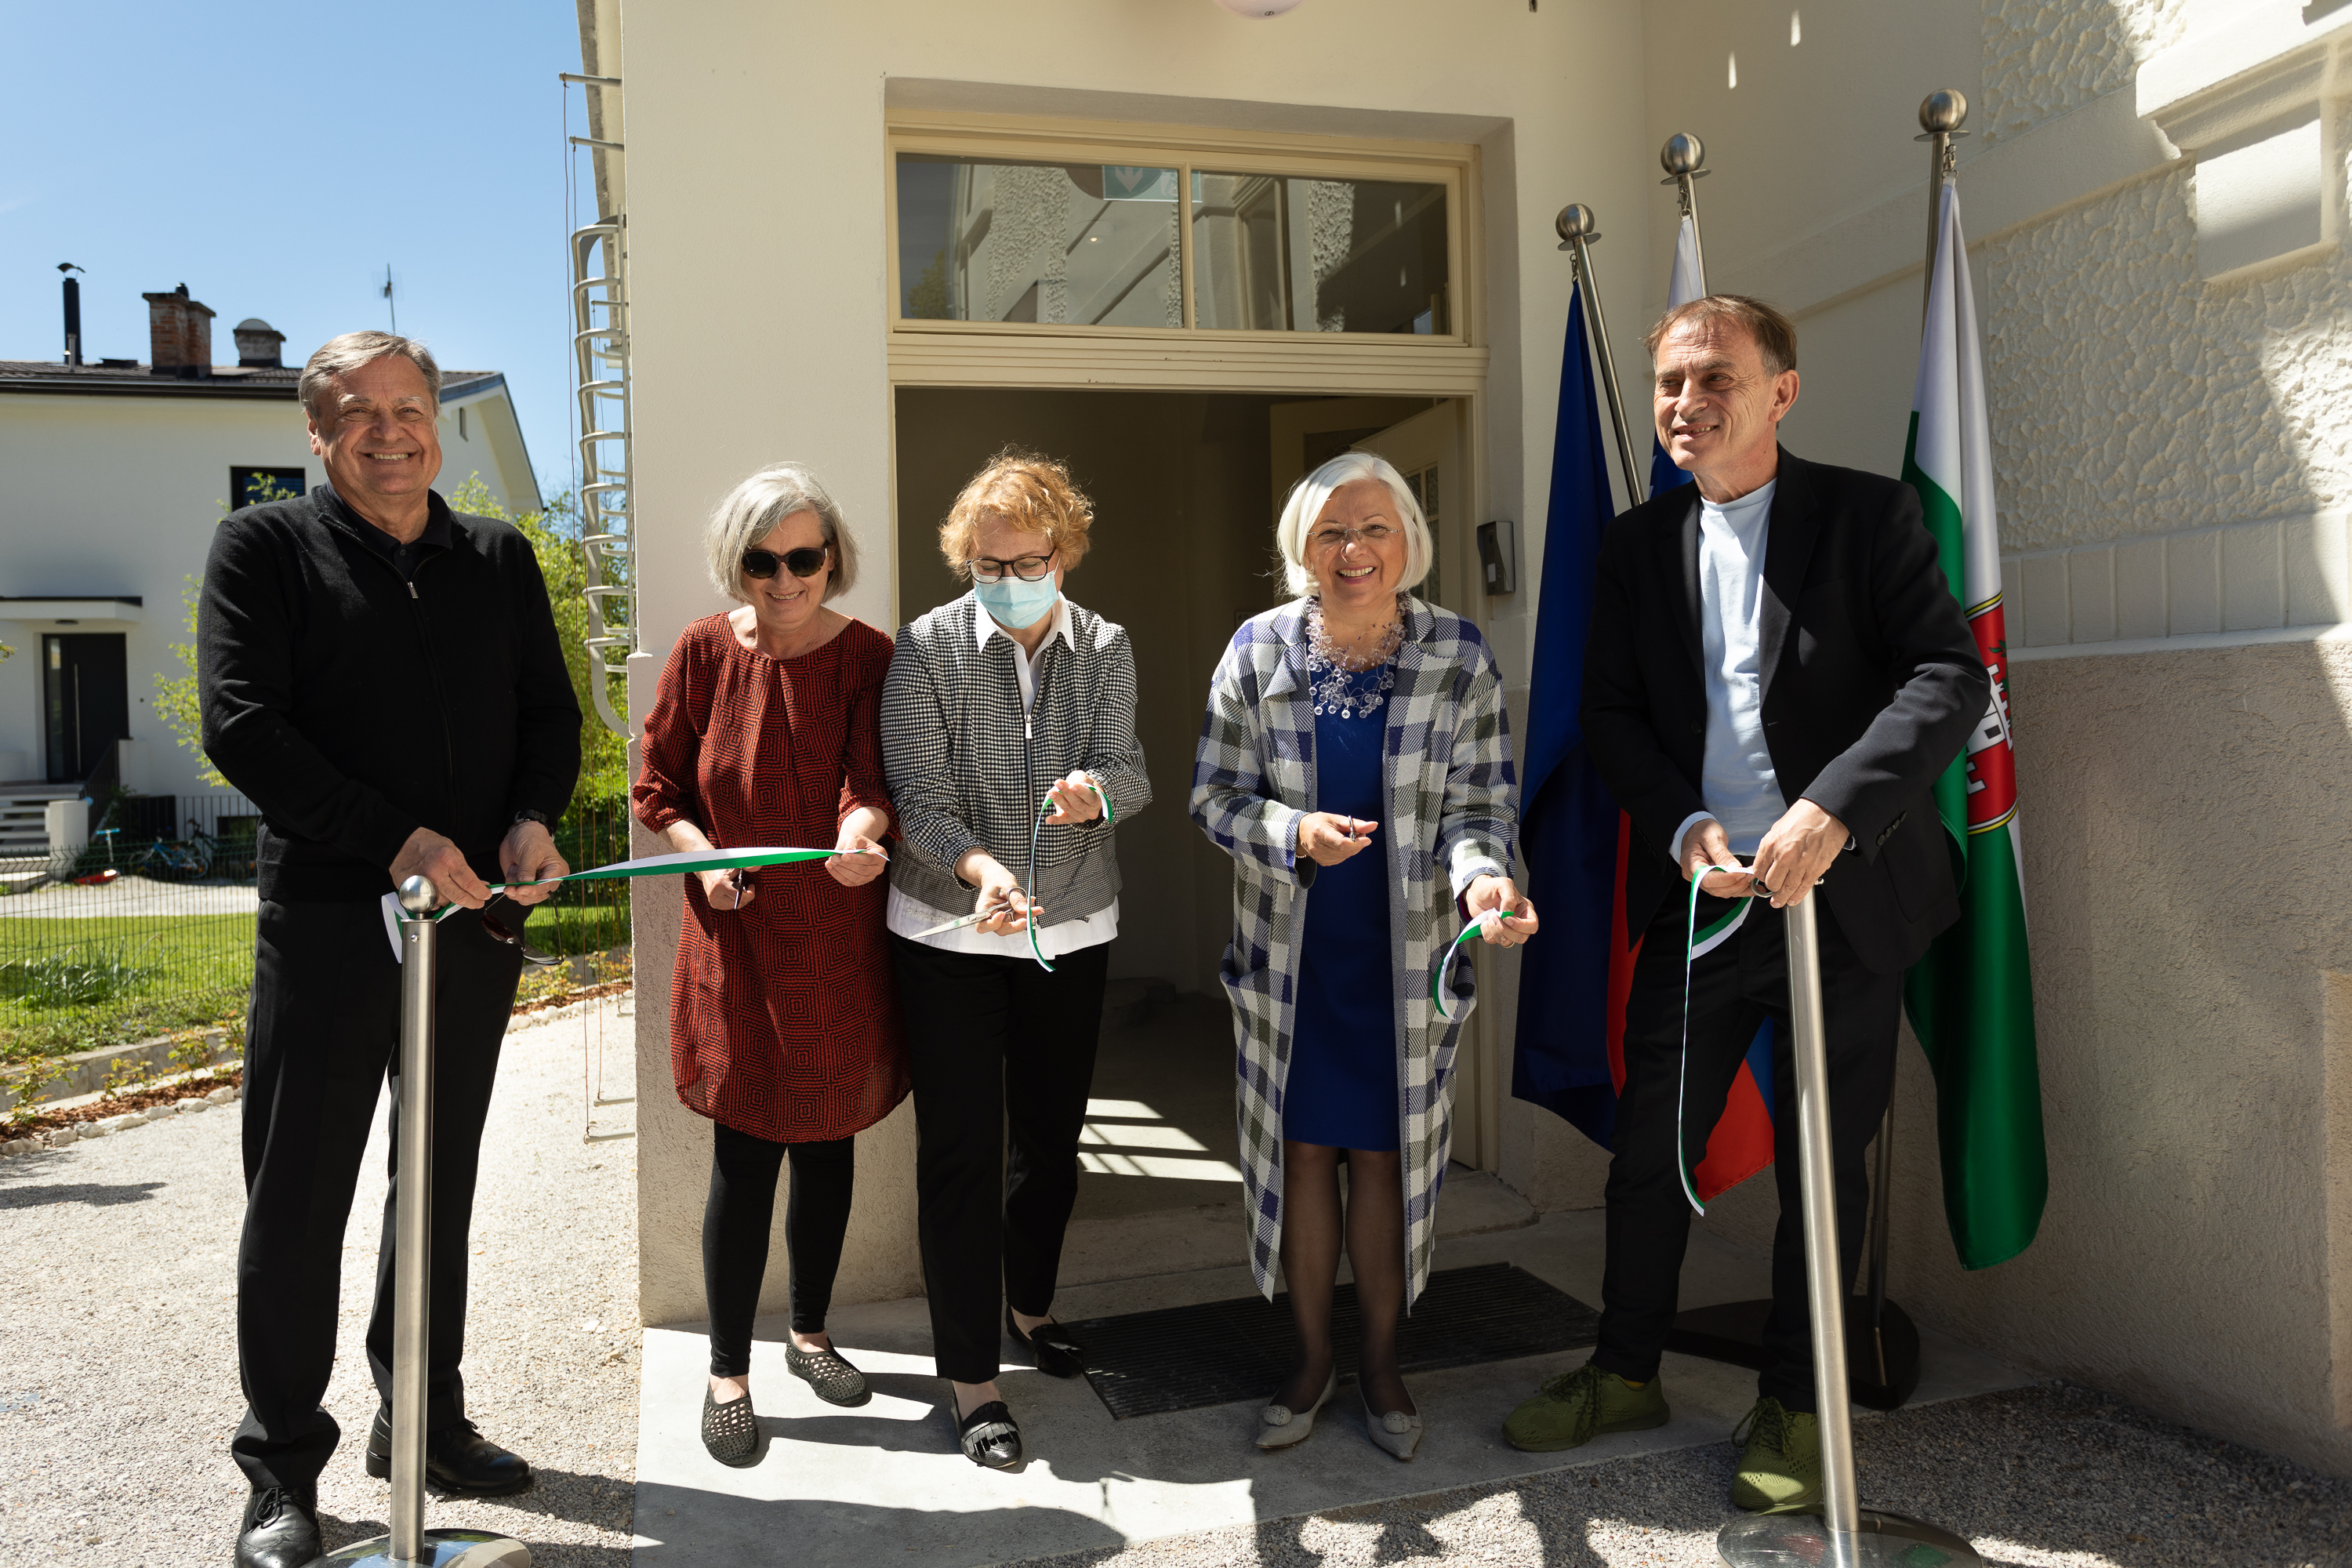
(1577,1407)
(1780,1469)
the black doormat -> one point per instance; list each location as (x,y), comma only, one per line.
(1219,1353)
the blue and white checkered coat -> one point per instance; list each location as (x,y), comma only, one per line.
(1451,817)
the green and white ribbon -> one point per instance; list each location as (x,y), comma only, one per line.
(1480,924)
(1044,809)
(1697,945)
(684,861)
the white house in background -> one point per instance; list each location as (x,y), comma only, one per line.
(117,472)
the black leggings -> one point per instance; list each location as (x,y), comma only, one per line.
(735,1227)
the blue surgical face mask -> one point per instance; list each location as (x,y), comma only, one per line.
(1012,602)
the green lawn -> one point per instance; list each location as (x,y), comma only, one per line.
(560,926)
(79,984)
(82,985)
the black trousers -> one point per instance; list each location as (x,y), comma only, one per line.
(991,1042)
(736,1221)
(1733,990)
(322,1039)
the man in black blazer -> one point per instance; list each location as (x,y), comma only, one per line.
(1778,670)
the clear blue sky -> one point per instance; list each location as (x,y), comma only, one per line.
(275,156)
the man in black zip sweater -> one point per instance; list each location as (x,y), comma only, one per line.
(382,677)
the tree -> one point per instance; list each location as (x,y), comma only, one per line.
(554,535)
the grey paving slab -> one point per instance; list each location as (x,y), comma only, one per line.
(885,1483)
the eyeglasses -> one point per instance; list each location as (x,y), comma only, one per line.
(804,563)
(1324,541)
(1028,568)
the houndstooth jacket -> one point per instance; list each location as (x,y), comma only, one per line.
(1451,819)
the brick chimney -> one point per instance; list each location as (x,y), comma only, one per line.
(258,344)
(179,334)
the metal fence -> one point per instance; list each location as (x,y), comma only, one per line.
(149,928)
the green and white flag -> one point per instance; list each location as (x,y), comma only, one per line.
(1971,999)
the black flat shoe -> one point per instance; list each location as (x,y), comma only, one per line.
(458,1460)
(280,1528)
(833,1379)
(730,1432)
(1057,1353)
(989,1436)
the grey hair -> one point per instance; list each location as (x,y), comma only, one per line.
(750,512)
(1310,495)
(339,356)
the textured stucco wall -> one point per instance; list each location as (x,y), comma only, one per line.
(2045,57)
(2131,398)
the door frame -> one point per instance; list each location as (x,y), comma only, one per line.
(1045,356)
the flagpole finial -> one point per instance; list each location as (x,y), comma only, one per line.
(1942,111)
(1576,221)
(1684,154)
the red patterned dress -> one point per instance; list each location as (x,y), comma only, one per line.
(783,1016)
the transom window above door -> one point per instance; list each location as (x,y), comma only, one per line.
(1190,241)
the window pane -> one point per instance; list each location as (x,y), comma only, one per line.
(1278,253)
(1083,243)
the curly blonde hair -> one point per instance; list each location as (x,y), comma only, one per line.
(1029,490)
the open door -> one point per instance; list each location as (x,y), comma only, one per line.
(1427,450)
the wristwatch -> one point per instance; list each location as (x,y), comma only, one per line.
(526,814)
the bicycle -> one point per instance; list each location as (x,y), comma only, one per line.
(188,859)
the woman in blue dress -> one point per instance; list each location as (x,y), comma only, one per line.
(1356,745)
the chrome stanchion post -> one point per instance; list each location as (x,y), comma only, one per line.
(410,1544)
(1845,1534)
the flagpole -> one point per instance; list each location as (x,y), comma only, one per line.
(1942,114)
(1577,232)
(1683,157)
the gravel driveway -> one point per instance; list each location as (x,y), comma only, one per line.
(118,1358)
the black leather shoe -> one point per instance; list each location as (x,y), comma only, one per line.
(458,1460)
(989,1436)
(280,1528)
(1057,1353)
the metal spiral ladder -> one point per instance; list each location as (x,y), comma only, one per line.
(600,349)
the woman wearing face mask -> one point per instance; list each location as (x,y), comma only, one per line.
(1008,725)
(1357,765)
(783,1023)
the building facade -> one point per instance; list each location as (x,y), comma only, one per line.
(1195,253)
(118,471)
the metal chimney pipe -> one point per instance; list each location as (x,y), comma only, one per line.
(73,313)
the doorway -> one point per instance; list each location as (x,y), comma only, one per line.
(1187,487)
(85,700)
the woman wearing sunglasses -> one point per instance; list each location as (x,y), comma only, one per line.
(783,1023)
(1008,729)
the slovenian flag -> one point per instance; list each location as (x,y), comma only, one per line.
(1971,999)
(1570,1054)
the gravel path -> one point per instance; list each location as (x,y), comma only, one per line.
(2052,1475)
(118,1360)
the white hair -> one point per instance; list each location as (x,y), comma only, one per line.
(750,512)
(1310,495)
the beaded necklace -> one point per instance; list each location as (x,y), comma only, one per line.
(1338,676)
